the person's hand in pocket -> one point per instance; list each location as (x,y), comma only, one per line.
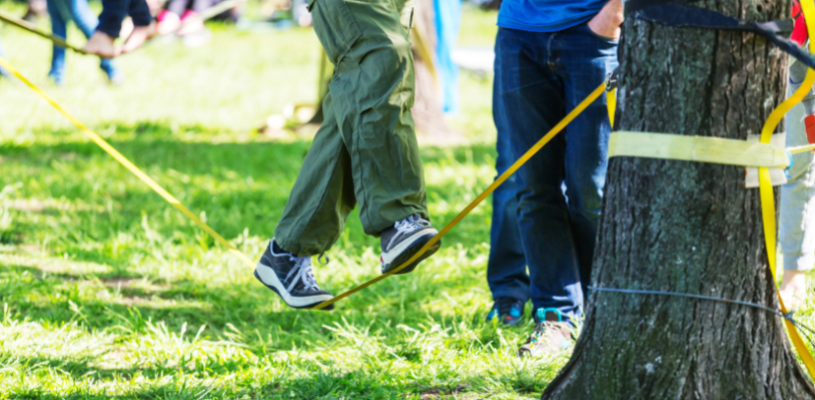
(607,22)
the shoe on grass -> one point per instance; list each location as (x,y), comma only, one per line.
(291,278)
(403,240)
(508,310)
(551,334)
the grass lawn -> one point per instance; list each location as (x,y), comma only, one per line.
(107,291)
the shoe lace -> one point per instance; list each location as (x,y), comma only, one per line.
(407,225)
(301,273)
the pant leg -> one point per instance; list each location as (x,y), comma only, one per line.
(86,21)
(797,227)
(58,28)
(323,194)
(585,62)
(506,267)
(139,11)
(200,6)
(368,43)
(177,7)
(113,13)
(533,100)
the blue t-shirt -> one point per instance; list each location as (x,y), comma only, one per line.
(547,15)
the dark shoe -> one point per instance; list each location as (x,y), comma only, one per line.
(508,310)
(551,334)
(291,278)
(402,241)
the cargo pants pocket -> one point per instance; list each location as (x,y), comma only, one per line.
(335,26)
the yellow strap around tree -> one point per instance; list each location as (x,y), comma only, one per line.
(696,148)
(130,166)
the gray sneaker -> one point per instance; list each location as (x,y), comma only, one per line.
(551,335)
(403,240)
(291,278)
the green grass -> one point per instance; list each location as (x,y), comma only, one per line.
(107,291)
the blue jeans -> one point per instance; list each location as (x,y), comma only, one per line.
(540,78)
(62,11)
(115,11)
(506,268)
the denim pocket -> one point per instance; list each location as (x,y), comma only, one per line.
(600,37)
(335,26)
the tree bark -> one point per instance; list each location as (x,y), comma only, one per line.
(687,227)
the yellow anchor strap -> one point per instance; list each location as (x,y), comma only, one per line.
(696,148)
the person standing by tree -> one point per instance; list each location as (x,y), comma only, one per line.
(797,227)
(549,56)
(365,152)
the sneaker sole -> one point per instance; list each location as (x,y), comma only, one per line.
(412,249)
(272,282)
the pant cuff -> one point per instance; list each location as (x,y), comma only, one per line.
(524,297)
(799,262)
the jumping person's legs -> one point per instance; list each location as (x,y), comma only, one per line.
(371,94)
(506,267)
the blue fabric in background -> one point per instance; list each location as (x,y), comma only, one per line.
(3,72)
(547,15)
(448,22)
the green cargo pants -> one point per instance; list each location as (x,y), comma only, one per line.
(366,151)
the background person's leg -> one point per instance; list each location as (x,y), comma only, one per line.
(58,28)
(374,77)
(323,194)
(797,227)
(86,21)
(113,13)
(506,268)
(586,60)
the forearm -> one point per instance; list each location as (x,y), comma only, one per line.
(607,22)
(613,12)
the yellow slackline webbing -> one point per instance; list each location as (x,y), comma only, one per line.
(766,188)
(521,161)
(25,25)
(127,164)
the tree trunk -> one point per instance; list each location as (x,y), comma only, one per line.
(687,227)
